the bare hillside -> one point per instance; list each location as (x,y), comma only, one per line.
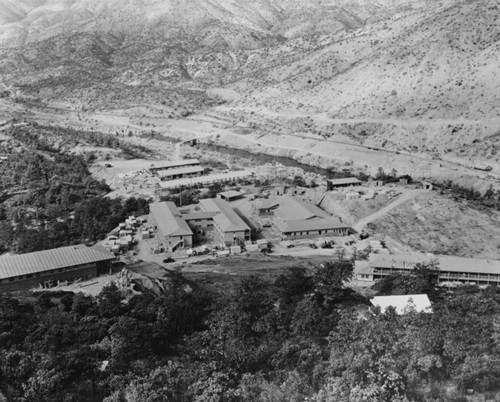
(413,76)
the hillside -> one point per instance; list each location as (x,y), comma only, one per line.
(415,76)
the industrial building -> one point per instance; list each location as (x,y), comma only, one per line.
(342,183)
(178,184)
(452,270)
(59,264)
(168,165)
(229,228)
(295,217)
(171,228)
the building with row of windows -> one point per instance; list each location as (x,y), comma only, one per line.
(21,271)
(229,227)
(452,270)
(297,218)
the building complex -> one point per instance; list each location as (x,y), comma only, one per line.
(229,227)
(295,217)
(172,230)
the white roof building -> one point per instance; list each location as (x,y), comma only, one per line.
(403,304)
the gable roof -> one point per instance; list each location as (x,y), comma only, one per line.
(180,170)
(293,208)
(173,164)
(346,180)
(403,303)
(12,265)
(168,219)
(226,218)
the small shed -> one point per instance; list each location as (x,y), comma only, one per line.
(252,248)
(235,250)
(230,195)
(223,253)
(427,185)
(262,244)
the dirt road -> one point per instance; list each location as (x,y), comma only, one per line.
(403,198)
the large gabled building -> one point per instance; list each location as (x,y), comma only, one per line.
(59,264)
(171,228)
(296,218)
(229,227)
(158,167)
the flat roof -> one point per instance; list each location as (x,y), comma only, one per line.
(446,263)
(231,193)
(301,225)
(12,265)
(346,180)
(214,178)
(226,218)
(173,164)
(403,303)
(181,170)
(293,208)
(168,219)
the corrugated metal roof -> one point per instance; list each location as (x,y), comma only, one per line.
(347,180)
(169,220)
(47,260)
(227,219)
(173,164)
(180,170)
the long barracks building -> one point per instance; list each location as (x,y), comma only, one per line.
(452,270)
(60,264)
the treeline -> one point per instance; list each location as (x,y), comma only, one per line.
(301,335)
(49,199)
(53,138)
(490,199)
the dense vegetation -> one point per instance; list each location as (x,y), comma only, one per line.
(48,196)
(299,336)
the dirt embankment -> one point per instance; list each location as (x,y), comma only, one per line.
(437,224)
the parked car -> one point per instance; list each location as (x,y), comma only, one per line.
(167,260)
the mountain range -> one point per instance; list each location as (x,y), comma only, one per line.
(417,75)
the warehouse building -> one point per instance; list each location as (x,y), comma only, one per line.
(172,229)
(168,165)
(60,264)
(313,227)
(178,184)
(180,173)
(229,228)
(342,183)
(295,217)
(452,270)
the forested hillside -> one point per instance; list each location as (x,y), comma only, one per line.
(48,196)
(300,336)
